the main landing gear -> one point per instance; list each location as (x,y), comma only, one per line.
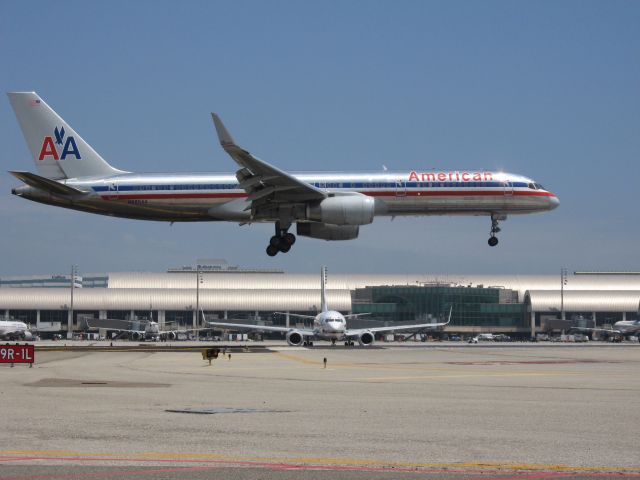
(281,241)
(493,240)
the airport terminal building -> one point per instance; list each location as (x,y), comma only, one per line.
(519,305)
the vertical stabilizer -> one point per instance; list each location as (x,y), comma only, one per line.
(323,290)
(57,150)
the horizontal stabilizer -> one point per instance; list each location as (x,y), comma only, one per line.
(46,184)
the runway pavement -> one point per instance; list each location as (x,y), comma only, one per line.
(426,411)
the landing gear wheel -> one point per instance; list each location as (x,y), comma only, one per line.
(282,240)
(493,241)
(284,247)
(289,238)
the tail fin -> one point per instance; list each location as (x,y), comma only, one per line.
(57,150)
(323,292)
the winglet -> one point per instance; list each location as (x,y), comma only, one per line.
(449,319)
(223,134)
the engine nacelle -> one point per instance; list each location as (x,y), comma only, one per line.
(27,335)
(295,338)
(136,336)
(366,338)
(327,232)
(170,335)
(343,210)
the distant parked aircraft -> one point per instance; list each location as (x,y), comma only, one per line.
(329,325)
(14,330)
(151,331)
(624,328)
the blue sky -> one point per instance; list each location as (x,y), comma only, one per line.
(548,89)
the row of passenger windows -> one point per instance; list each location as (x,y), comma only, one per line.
(187,186)
(232,186)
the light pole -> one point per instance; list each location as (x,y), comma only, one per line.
(74,272)
(197,323)
(563,282)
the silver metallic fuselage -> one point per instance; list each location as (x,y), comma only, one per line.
(209,196)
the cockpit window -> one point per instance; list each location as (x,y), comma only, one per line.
(532,186)
(539,187)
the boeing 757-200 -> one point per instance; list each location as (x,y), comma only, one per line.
(328,206)
(329,325)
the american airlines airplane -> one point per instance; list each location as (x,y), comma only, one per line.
(328,325)
(328,206)
(14,330)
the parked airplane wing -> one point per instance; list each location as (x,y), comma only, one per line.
(420,326)
(600,330)
(297,315)
(263,182)
(259,328)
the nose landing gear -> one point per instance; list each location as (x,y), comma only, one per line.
(281,241)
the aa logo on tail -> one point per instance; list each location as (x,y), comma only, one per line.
(49,148)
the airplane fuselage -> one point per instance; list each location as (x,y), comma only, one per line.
(627,327)
(330,325)
(210,197)
(13,330)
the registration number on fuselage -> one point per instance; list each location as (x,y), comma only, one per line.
(137,202)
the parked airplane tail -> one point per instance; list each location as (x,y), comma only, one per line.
(323,291)
(57,150)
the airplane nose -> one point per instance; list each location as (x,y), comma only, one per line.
(553,202)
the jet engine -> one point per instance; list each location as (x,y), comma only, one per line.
(26,335)
(328,232)
(366,339)
(295,338)
(170,335)
(354,209)
(136,336)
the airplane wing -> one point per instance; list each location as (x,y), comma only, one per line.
(298,315)
(118,329)
(259,328)
(101,323)
(420,326)
(264,183)
(589,329)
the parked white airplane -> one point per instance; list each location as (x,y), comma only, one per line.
(621,327)
(14,330)
(151,331)
(328,325)
(328,206)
